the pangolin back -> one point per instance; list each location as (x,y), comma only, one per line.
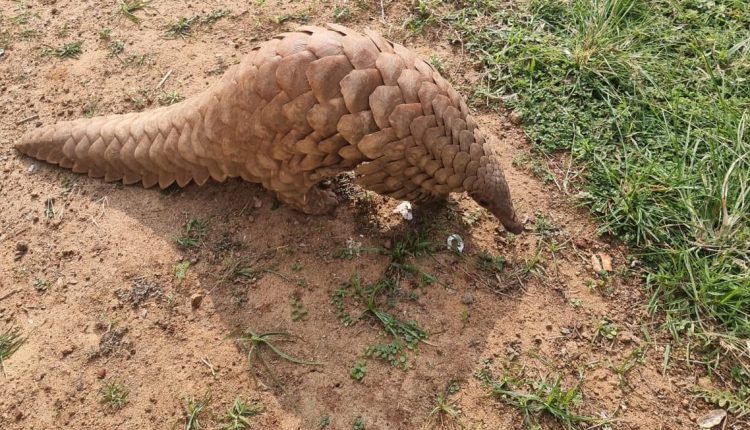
(301,107)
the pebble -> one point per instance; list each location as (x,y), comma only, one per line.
(196,300)
(467,299)
(516,118)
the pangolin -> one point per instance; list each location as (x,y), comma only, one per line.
(300,108)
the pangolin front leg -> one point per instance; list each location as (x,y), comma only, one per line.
(300,108)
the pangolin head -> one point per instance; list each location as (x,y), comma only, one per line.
(492,193)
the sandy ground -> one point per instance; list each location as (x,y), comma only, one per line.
(89,243)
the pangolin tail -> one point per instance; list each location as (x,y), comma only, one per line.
(154,147)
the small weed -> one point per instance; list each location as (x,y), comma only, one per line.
(105,34)
(324,422)
(195,231)
(437,63)
(605,329)
(302,17)
(181,28)
(116,48)
(193,410)
(114,395)
(41,285)
(239,414)
(359,370)
(170,98)
(359,424)
(341,13)
(69,50)
(299,312)
(536,397)
(10,341)
(392,353)
(491,263)
(180,270)
(424,16)
(733,403)
(129,7)
(215,15)
(297,266)
(635,357)
(255,342)
(444,415)
(89,110)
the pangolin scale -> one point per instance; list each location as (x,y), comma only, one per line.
(300,108)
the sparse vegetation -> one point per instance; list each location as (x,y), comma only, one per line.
(129,7)
(114,395)
(10,341)
(195,231)
(254,343)
(359,370)
(181,28)
(239,414)
(534,397)
(170,98)
(193,410)
(650,98)
(69,50)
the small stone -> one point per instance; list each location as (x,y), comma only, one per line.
(101,373)
(21,250)
(196,300)
(467,299)
(257,203)
(712,419)
(33,168)
(516,118)
(67,351)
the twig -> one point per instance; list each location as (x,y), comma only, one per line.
(207,362)
(382,10)
(164,79)
(27,119)
(10,294)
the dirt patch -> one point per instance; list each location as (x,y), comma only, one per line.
(126,302)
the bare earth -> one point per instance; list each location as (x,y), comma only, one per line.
(94,240)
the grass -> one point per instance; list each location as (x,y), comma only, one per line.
(537,397)
(10,341)
(651,99)
(254,343)
(444,415)
(239,414)
(170,97)
(193,410)
(129,7)
(114,395)
(195,231)
(181,28)
(69,50)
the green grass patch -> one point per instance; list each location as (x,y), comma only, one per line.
(651,99)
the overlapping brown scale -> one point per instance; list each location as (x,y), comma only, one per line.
(265,80)
(295,112)
(402,117)
(324,43)
(354,127)
(324,117)
(324,76)
(410,81)
(360,50)
(291,73)
(301,107)
(382,103)
(357,86)
(390,66)
(291,43)
(379,41)
(373,145)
